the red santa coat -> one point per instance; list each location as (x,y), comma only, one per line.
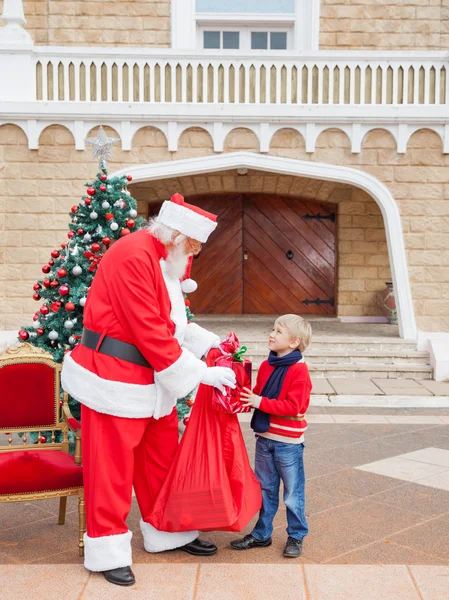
(133,299)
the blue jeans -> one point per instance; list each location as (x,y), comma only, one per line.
(276,461)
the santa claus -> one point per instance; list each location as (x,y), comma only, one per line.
(137,356)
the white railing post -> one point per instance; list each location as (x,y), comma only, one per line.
(16,56)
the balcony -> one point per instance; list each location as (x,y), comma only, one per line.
(134,87)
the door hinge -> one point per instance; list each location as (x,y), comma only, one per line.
(321,217)
(318,301)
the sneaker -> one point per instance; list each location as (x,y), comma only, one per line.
(250,542)
(293,548)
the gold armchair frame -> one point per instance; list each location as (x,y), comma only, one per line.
(28,354)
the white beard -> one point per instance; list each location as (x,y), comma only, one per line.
(177,262)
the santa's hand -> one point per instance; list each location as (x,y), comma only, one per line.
(219,377)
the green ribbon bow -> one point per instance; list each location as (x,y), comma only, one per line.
(239,354)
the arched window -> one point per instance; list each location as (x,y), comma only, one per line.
(246,25)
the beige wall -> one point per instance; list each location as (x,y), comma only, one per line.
(384,24)
(348,24)
(98,23)
(39,187)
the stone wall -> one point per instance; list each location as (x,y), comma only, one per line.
(39,187)
(97,23)
(384,24)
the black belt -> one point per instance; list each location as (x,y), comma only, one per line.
(113,347)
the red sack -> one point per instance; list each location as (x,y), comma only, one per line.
(242,368)
(210,485)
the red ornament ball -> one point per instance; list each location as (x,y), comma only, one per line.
(80,231)
(23,335)
(102,188)
(96,247)
(46,283)
(62,272)
(36,296)
(109,216)
(103,177)
(59,303)
(74,209)
(43,439)
(46,269)
(88,254)
(186,421)
(51,263)
(44,310)
(187,302)
(55,254)
(70,234)
(64,290)
(54,307)
(35,317)
(189,403)
(37,286)
(125,231)
(70,307)
(40,331)
(130,223)
(106,241)
(91,191)
(63,246)
(129,178)
(54,283)
(88,201)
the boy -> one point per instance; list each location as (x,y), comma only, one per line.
(284,385)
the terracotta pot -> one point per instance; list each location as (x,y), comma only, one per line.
(388,303)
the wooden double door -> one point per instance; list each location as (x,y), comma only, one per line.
(268,255)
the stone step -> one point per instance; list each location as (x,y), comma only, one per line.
(366,371)
(345,357)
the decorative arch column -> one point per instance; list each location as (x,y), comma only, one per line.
(287,166)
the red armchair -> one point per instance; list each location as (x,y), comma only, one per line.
(30,402)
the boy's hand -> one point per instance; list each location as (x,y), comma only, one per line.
(248,398)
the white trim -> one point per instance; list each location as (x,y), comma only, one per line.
(176,381)
(159,541)
(300,168)
(187,221)
(437,345)
(177,305)
(108,552)
(107,396)
(199,340)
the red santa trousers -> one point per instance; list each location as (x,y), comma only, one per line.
(119,453)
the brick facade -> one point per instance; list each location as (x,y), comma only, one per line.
(41,185)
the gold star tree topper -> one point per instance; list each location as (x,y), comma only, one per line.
(102,145)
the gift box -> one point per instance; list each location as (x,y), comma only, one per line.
(232,357)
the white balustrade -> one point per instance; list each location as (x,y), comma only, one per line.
(163,77)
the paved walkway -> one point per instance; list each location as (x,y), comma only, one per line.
(378,511)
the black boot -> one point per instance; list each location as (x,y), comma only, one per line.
(120,576)
(250,542)
(199,548)
(293,548)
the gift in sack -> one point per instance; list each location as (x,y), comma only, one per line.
(233,359)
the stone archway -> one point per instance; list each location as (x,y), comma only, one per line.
(372,186)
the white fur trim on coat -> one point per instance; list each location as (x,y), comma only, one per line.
(186,221)
(189,286)
(106,396)
(178,308)
(158,541)
(199,340)
(176,381)
(108,552)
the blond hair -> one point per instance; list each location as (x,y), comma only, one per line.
(298,328)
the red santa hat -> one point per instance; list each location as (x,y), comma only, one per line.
(188,285)
(190,220)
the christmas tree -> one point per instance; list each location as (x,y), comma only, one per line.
(106,212)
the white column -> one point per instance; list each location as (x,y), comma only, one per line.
(183,25)
(16,56)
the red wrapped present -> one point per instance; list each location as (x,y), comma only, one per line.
(242,367)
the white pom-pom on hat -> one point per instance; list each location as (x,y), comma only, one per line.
(188,286)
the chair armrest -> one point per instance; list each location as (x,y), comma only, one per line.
(74,425)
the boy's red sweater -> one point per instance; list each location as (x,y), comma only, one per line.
(287,412)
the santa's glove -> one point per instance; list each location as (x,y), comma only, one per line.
(219,377)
